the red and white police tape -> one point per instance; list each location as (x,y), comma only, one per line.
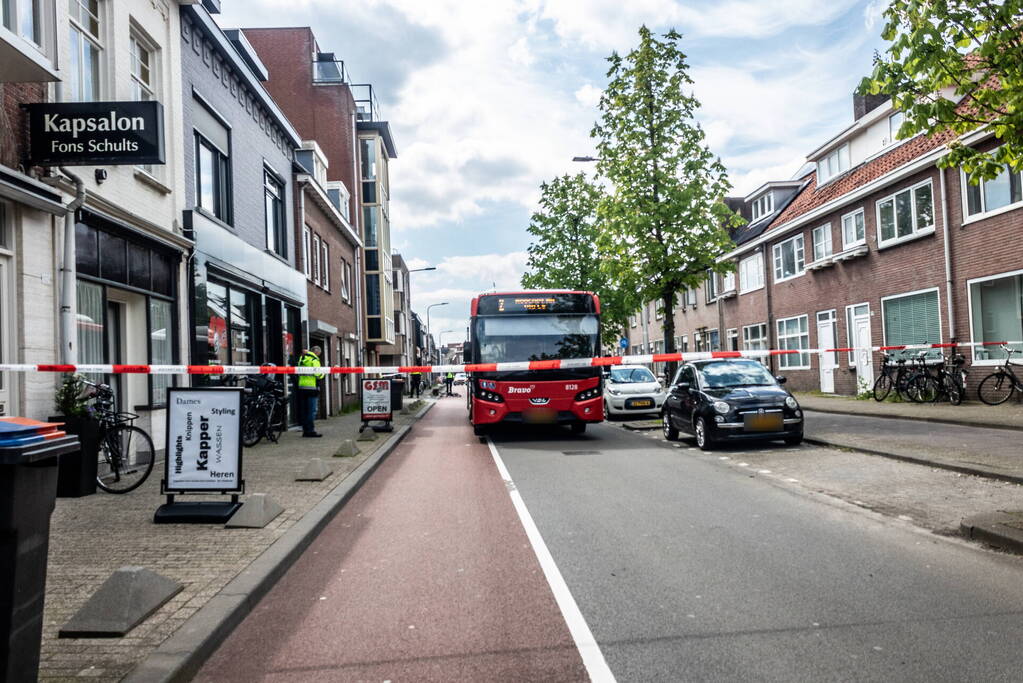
(470,367)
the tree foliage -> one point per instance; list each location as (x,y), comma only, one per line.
(954,66)
(563,253)
(665,222)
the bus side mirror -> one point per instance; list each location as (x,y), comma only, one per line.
(466,355)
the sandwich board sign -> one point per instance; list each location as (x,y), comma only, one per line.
(204,453)
(376,400)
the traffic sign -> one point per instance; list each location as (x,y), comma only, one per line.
(624,343)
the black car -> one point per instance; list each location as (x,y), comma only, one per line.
(730,399)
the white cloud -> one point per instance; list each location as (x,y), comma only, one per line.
(588,95)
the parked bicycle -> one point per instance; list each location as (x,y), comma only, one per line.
(126,453)
(907,381)
(263,414)
(1000,385)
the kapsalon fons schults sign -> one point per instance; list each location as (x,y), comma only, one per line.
(96,133)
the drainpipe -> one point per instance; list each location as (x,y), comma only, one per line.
(68,350)
(356,192)
(946,234)
(768,282)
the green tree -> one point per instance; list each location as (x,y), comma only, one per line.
(563,253)
(942,51)
(665,222)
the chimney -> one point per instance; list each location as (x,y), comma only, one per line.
(864,104)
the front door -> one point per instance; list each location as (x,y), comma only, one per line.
(863,356)
(115,349)
(826,340)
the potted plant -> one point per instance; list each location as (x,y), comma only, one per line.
(76,475)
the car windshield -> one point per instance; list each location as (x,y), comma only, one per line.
(727,374)
(631,375)
(536,337)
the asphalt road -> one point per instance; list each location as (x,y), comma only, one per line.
(683,568)
(686,569)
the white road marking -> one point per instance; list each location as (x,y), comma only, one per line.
(593,658)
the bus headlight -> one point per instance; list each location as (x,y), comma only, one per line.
(485,395)
(588,394)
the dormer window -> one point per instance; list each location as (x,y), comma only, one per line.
(894,123)
(763,206)
(836,162)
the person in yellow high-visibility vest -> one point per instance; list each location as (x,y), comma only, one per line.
(308,392)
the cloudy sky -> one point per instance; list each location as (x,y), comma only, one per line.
(489,98)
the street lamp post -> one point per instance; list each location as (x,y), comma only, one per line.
(443,303)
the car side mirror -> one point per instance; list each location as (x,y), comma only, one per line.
(781,379)
(683,386)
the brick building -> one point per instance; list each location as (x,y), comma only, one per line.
(871,244)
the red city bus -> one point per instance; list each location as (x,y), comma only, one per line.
(517,327)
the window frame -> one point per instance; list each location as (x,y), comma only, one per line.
(222,199)
(307,242)
(840,154)
(852,214)
(325,265)
(903,295)
(916,232)
(747,339)
(779,261)
(144,44)
(316,259)
(278,245)
(710,287)
(762,206)
(96,39)
(964,188)
(803,357)
(759,257)
(728,282)
(850,315)
(346,273)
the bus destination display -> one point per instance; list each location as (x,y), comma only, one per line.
(540,303)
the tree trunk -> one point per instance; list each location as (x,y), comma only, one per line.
(668,301)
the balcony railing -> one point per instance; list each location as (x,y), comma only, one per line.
(366,106)
(327,69)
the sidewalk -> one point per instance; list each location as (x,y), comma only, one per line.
(1009,415)
(93,536)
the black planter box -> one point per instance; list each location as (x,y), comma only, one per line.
(76,474)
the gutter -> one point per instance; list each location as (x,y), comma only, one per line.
(945,235)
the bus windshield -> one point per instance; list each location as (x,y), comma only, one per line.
(502,339)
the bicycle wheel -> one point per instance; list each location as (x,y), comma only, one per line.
(925,389)
(996,388)
(953,389)
(882,387)
(126,457)
(252,427)
(276,424)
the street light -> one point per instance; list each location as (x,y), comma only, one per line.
(443,303)
(585,158)
(440,337)
(419,270)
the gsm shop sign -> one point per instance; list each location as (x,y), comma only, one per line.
(376,399)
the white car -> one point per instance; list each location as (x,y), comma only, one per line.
(459,378)
(632,390)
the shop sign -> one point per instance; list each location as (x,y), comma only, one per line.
(204,446)
(376,400)
(96,133)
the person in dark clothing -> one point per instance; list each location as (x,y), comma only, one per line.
(449,380)
(414,389)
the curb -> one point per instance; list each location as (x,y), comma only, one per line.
(962,469)
(989,528)
(938,420)
(181,656)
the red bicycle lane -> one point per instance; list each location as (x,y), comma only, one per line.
(426,574)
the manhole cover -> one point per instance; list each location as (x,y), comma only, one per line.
(580,452)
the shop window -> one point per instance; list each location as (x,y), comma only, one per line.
(114,262)
(91,310)
(86,250)
(912,318)
(162,267)
(996,314)
(216,337)
(139,272)
(161,348)
(241,324)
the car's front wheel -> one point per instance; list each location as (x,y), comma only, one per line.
(670,433)
(794,440)
(703,438)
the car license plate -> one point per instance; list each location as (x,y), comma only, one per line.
(765,422)
(641,403)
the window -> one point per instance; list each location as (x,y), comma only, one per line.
(894,123)
(711,286)
(307,242)
(691,297)
(632,321)
(276,235)
(325,265)
(836,162)
(733,339)
(368,162)
(822,242)
(212,179)
(905,214)
(793,333)
(23,17)
(684,345)
(751,273)
(996,313)
(658,312)
(851,314)
(142,62)
(990,195)
(84,51)
(853,232)
(346,281)
(728,282)
(912,318)
(788,259)
(316,258)
(754,338)
(763,206)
